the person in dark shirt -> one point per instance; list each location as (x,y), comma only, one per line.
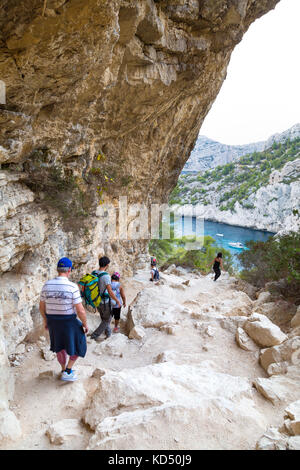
(217,264)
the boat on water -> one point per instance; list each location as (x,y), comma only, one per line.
(236,245)
(219,234)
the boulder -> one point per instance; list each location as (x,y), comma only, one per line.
(244,341)
(137,332)
(9,425)
(282,353)
(263,297)
(263,331)
(280,388)
(133,408)
(272,439)
(280,312)
(59,432)
(293,423)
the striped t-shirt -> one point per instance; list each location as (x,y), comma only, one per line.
(61,296)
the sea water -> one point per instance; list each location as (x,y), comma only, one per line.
(230,233)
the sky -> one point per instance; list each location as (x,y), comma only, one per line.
(260,95)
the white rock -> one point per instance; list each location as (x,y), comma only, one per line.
(293,410)
(59,432)
(280,388)
(47,354)
(293,424)
(115,345)
(294,443)
(98,373)
(282,353)
(210,331)
(277,368)
(133,407)
(244,341)
(137,332)
(20,349)
(272,440)
(9,425)
(263,331)
(166,356)
(169,329)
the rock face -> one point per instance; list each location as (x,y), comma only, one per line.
(263,331)
(102,99)
(130,408)
(273,206)
(288,436)
(208,153)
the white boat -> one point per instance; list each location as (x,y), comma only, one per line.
(236,245)
(220,234)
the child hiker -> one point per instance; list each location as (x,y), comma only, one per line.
(154,271)
(118,290)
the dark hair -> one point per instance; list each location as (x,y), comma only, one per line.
(114,277)
(104,261)
(219,255)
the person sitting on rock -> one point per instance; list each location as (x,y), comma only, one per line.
(217,263)
(60,301)
(108,299)
(120,294)
(154,271)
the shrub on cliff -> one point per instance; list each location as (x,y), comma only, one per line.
(273,260)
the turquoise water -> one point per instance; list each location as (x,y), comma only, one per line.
(231,233)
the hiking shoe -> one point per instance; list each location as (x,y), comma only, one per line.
(69,377)
(116,329)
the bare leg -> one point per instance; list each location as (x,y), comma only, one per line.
(72,361)
(62,359)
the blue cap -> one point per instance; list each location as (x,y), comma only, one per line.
(64,263)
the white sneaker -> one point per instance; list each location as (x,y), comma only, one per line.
(69,377)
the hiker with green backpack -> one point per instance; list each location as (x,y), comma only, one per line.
(99,294)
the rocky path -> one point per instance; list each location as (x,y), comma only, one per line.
(174,378)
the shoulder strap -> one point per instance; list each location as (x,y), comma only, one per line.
(100,275)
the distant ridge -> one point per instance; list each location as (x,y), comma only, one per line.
(209,153)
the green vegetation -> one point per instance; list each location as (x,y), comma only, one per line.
(73,192)
(274,260)
(178,252)
(235,182)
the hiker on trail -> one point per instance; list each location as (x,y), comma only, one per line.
(60,302)
(217,263)
(154,271)
(120,294)
(108,299)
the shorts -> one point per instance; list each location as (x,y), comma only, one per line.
(116,313)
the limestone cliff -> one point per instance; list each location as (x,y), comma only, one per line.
(209,153)
(103,98)
(261,190)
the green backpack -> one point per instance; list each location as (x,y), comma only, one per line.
(89,289)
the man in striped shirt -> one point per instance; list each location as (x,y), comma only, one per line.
(60,303)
